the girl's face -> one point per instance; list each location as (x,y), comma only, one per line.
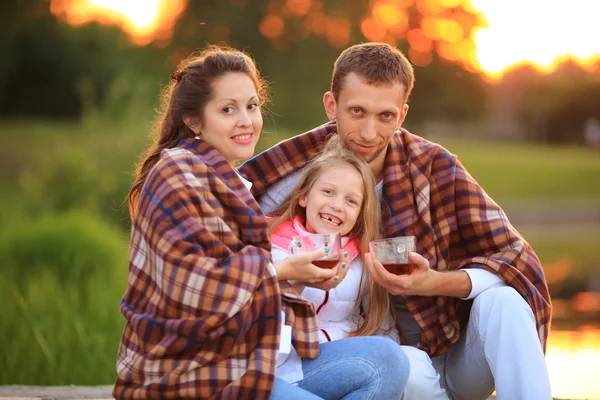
(334,201)
(232,118)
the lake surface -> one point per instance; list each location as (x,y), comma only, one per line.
(573,359)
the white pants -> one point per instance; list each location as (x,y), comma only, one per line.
(500,349)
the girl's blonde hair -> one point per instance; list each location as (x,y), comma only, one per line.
(366,228)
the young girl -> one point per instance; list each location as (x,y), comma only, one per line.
(336,193)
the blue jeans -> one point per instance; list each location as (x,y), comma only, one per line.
(358,368)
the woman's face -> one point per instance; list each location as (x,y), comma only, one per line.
(232,119)
(334,201)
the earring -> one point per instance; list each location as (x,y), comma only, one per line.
(197,137)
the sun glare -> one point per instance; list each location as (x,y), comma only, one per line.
(489,36)
(143,20)
(572,358)
(537,32)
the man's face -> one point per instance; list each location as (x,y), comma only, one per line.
(367,116)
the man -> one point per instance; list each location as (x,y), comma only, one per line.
(477,304)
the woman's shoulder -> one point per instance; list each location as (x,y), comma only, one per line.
(182,161)
(178,156)
(178,168)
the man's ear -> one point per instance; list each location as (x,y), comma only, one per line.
(403,113)
(193,123)
(330,105)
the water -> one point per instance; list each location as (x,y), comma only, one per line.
(573,359)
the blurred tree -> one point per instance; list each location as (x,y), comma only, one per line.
(31,72)
(296,51)
(51,69)
(566,120)
(554,108)
(445,91)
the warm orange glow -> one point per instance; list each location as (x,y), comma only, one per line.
(450,3)
(388,14)
(372,30)
(428,7)
(271,26)
(298,8)
(143,20)
(419,41)
(452,31)
(338,31)
(403,3)
(432,28)
(317,22)
(572,358)
(419,58)
(491,36)
(586,302)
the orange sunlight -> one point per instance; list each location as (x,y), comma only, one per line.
(572,358)
(482,35)
(537,32)
(143,20)
(491,36)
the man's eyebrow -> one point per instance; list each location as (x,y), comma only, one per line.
(393,110)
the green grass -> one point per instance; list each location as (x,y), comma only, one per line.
(524,171)
(506,170)
(62,279)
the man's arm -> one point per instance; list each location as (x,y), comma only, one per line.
(451,283)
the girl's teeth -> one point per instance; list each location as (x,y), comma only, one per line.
(331,221)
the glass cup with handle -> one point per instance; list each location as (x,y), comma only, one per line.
(312,242)
(392,253)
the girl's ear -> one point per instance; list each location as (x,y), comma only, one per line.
(303,200)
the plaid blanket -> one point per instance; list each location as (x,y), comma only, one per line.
(203,304)
(430,195)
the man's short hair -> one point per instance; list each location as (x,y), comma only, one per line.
(378,63)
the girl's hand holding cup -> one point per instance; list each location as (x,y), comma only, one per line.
(300,267)
(328,257)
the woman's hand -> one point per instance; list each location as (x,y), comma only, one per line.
(299,267)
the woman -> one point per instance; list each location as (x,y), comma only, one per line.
(205,311)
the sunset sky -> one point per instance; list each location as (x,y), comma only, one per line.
(482,35)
